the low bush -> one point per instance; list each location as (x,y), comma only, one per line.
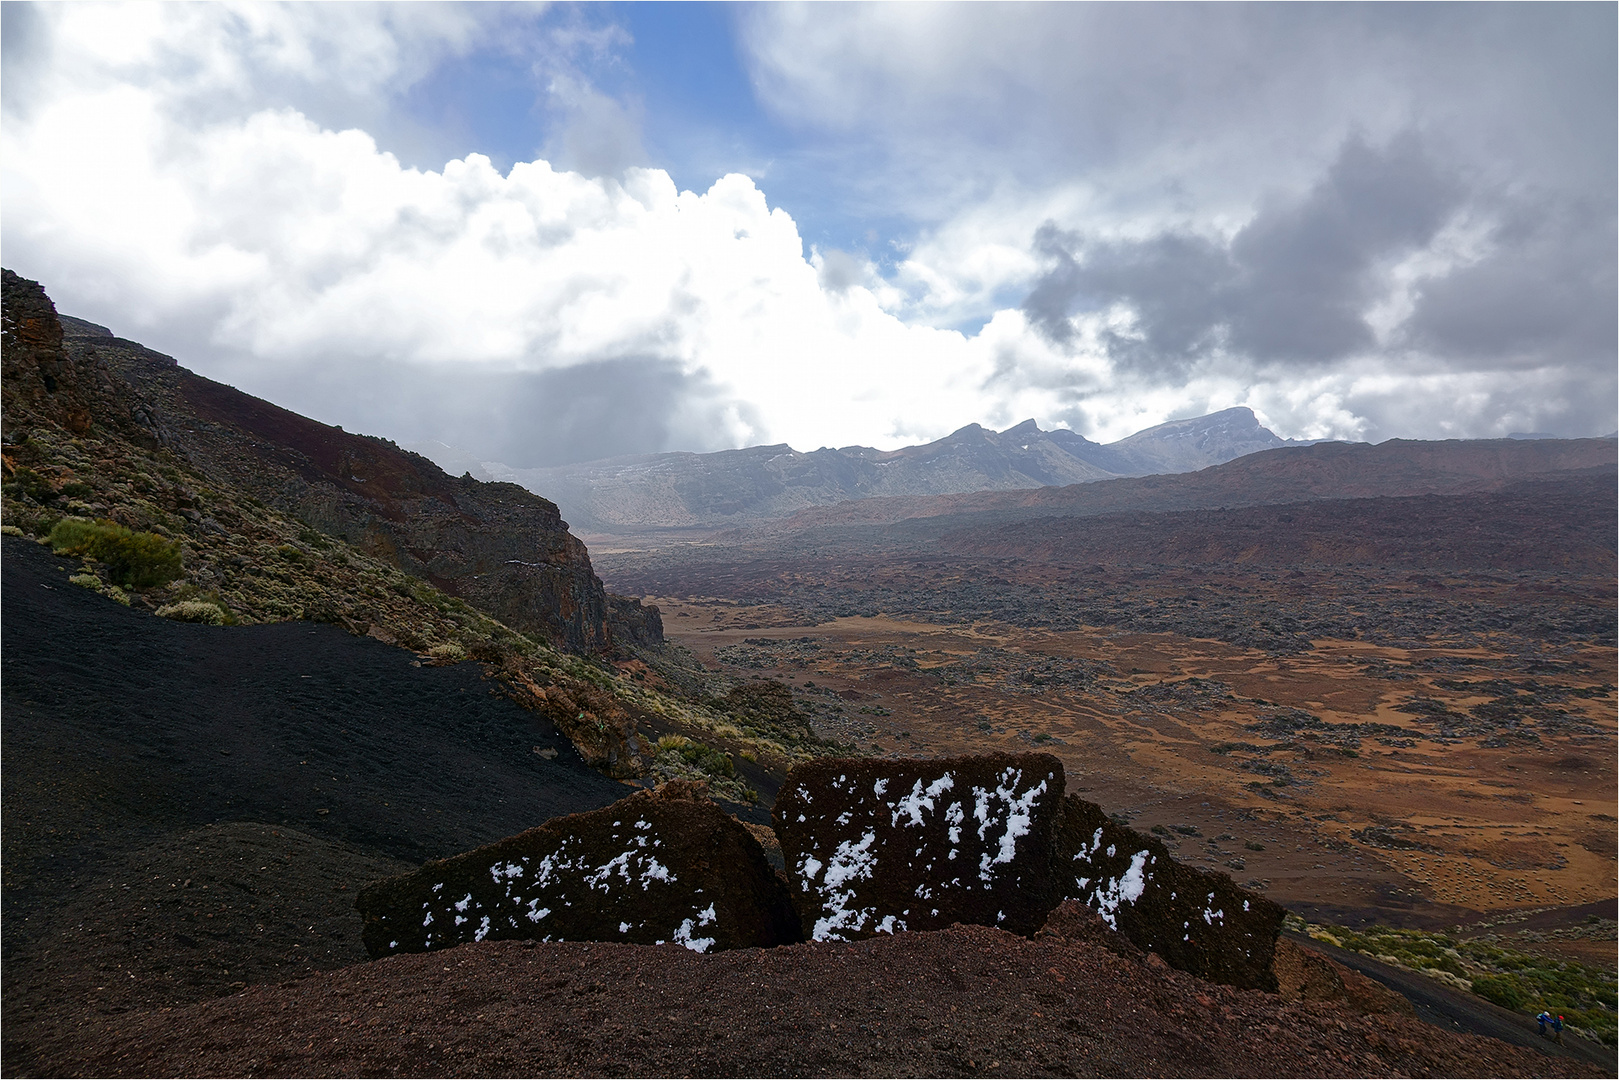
(1501,989)
(1587,997)
(139,560)
(196,611)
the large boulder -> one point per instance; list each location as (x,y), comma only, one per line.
(881,846)
(1196,921)
(655,868)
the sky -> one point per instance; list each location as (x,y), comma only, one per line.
(556,233)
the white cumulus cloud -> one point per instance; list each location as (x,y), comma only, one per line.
(209,179)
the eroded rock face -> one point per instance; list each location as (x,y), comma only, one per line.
(1197,921)
(40,380)
(631,622)
(882,846)
(665,867)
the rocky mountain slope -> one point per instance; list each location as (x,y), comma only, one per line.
(183,497)
(501,548)
(656,492)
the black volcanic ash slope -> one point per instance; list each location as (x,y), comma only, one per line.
(121,727)
(189,809)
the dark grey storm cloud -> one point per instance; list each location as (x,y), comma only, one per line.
(1296,284)
(581,413)
(1551,293)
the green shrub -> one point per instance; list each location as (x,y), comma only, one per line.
(709,760)
(1503,990)
(139,560)
(25,481)
(197,611)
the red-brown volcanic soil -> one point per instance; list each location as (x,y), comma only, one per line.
(962,1002)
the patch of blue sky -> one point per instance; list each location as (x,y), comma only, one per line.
(490,102)
(678,71)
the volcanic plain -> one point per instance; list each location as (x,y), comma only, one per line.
(1374,710)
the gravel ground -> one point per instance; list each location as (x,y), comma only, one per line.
(960,1002)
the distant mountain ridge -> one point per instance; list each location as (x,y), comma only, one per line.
(1324,471)
(676,491)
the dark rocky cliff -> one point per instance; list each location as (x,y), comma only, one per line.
(41,383)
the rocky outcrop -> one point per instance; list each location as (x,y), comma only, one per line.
(1198,922)
(665,867)
(44,383)
(634,623)
(592,719)
(500,547)
(881,846)
(868,847)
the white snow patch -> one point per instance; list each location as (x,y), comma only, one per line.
(682,936)
(482,931)
(1125,889)
(850,862)
(620,863)
(880,787)
(919,799)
